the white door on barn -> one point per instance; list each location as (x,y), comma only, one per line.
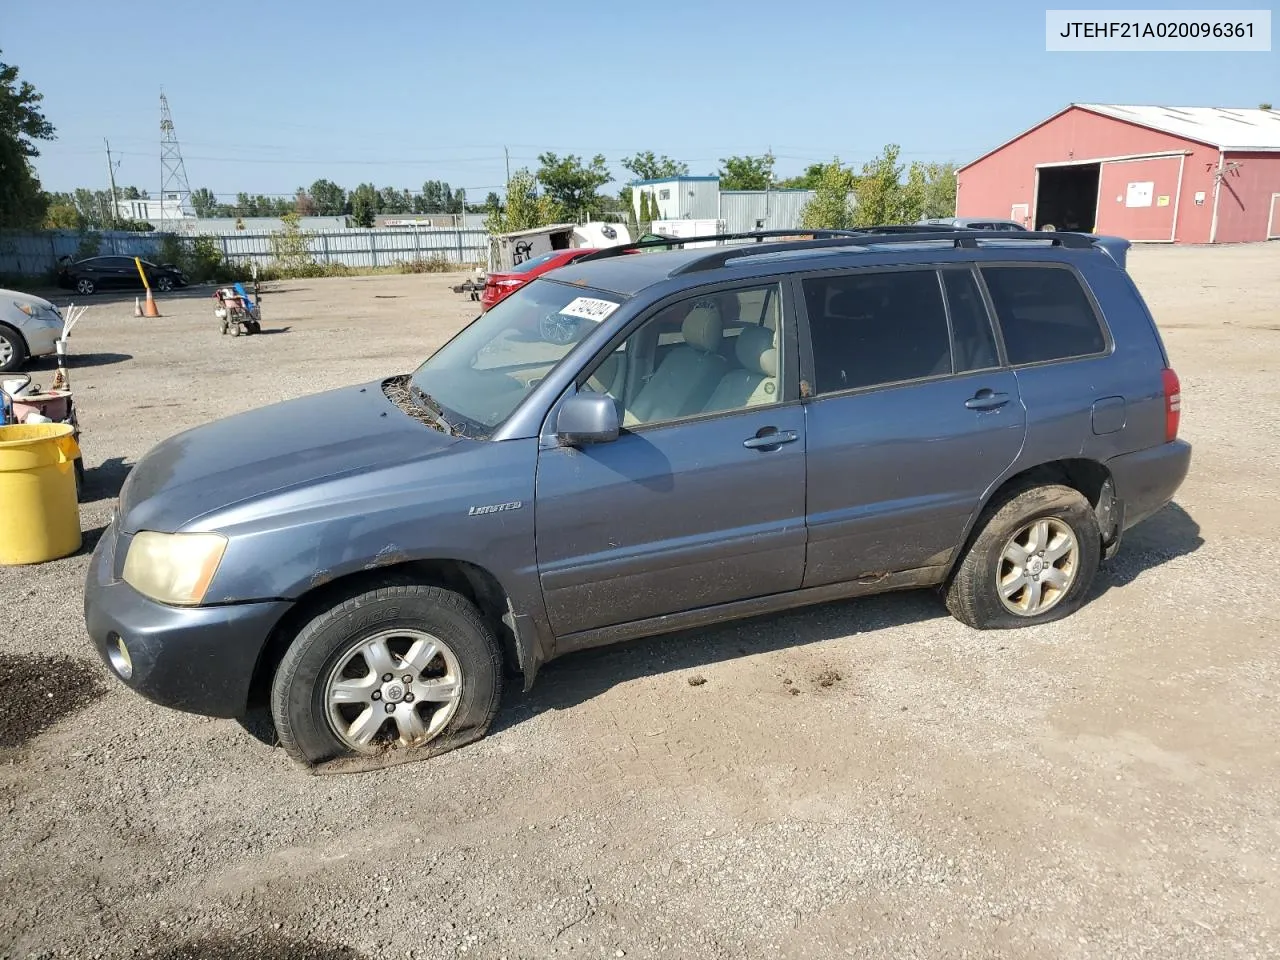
(1020,212)
(1273,224)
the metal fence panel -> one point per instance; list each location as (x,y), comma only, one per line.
(35,253)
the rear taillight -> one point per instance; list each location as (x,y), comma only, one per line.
(1172,404)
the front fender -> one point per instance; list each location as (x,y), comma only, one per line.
(286,544)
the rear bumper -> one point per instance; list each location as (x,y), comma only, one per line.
(197,659)
(1146,480)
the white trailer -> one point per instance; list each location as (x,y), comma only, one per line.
(507,250)
(689,228)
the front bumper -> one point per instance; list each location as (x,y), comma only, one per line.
(197,659)
(1147,480)
(42,337)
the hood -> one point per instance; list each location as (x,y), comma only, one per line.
(18,296)
(272,448)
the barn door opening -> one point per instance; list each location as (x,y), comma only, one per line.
(1067,198)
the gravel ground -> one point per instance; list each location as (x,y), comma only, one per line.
(866,779)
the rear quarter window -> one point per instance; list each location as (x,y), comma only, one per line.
(1044,314)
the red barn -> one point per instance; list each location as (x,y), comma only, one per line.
(1162,174)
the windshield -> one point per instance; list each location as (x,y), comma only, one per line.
(478,378)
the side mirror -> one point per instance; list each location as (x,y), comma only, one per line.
(587,418)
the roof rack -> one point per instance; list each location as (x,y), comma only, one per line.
(971,239)
(674,242)
(818,239)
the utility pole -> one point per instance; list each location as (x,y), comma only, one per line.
(506,153)
(111,175)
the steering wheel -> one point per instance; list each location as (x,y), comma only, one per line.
(558,329)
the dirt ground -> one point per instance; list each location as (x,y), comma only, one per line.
(867,779)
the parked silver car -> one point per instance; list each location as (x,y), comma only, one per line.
(971,223)
(29,327)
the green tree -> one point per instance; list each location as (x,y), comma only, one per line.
(525,207)
(436,197)
(22,202)
(930,191)
(646,166)
(63,216)
(291,248)
(808,180)
(832,206)
(646,211)
(1264,106)
(330,199)
(364,204)
(203,202)
(391,200)
(746,173)
(303,205)
(573,186)
(879,189)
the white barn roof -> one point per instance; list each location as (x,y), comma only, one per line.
(1221,127)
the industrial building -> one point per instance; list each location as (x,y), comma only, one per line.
(700,198)
(1146,173)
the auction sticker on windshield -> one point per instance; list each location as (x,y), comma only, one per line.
(589,308)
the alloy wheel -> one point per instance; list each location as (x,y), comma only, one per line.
(1037,567)
(398,686)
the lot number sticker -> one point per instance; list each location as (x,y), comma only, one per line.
(589,308)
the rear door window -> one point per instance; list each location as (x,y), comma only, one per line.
(1044,314)
(972,338)
(876,327)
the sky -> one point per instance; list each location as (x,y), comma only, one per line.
(269,96)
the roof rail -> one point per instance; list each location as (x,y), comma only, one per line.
(970,239)
(673,242)
(820,238)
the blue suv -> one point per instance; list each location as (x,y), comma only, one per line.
(633,445)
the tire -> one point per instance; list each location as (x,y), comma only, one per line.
(164,284)
(85,287)
(395,620)
(224,327)
(974,595)
(235,328)
(13,349)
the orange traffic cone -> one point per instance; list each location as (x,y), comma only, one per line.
(150,309)
(137,306)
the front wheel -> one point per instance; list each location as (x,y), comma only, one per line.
(404,667)
(164,284)
(1032,562)
(13,350)
(85,287)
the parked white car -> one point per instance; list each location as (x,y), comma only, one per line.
(29,327)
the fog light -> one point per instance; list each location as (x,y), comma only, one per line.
(118,655)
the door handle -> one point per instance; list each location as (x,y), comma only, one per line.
(770,437)
(986,399)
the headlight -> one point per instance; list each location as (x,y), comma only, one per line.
(174,568)
(30,309)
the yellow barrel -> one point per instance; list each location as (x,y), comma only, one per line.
(39,512)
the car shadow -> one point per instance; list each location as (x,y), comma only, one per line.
(266,330)
(1165,535)
(75,360)
(104,481)
(579,677)
(63,298)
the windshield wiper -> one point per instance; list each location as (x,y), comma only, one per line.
(432,406)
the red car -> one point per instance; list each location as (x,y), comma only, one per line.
(498,286)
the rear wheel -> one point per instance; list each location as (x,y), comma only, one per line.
(406,667)
(1033,561)
(164,284)
(13,349)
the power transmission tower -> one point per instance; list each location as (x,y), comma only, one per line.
(173,173)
